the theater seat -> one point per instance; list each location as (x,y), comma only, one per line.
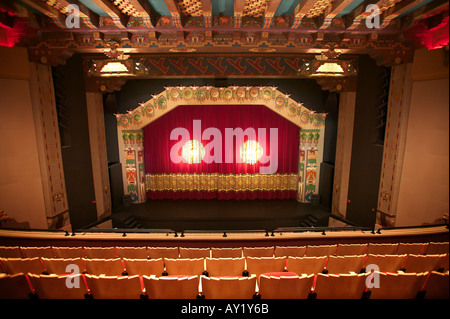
(171,287)
(30,252)
(422,263)
(258,251)
(194,252)
(382,249)
(306,265)
(114,287)
(260,265)
(293,251)
(411,248)
(386,263)
(10,252)
(225,266)
(100,252)
(282,287)
(345,264)
(351,249)
(397,285)
(59,266)
(162,252)
(132,252)
(226,252)
(228,287)
(143,267)
(185,267)
(14,286)
(22,265)
(321,250)
(437,286)
(68,252)
(435,248)
(58,287)
(340,286)
(107,267)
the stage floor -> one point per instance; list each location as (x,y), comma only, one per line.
(212,214)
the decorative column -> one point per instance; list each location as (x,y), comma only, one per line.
(97,139)
(343,152)
(49,146)
(394,143)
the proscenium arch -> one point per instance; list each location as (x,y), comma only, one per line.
(132,123)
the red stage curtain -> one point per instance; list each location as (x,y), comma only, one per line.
(157,147)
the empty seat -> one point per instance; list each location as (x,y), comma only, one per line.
(351,249)
(382,249)
(411,248)
(260,265)
(226,252)
(162,252)
(22,265)
(321,250)
(385,263)
(30,252)
(437,286)
(306,265)
(194,252)
(435,248)
(422,263)
(397,285)
(171,287)
(228,287)
(107,267)
(58,287)
(10,252)
(146,267)
(68,252)
(258,251)
(114,287)
(217,267)
(132,252)
(185,267)
(345,264)
(14,286)
(61,266)
(293,251)
(340,286)
(100,252)
(285,287)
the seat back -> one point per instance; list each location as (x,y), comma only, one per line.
(306,265)
(293,251)
(397,285)
(258,251)
(22,265)
(345,264)
(100,252)
(437,248)
(14,286)
(217,267)
(171,287)
(422,263)
(226,252)
(382,249)
(10,252)
(114,287)
(162,252)
(194,252)
(321,250)
(107,267)
(143,267)
(437,286)
(30,252)
(411,248)
(68,252)
(185,267)
(58,287)
(132,252)
(289,287)
(386,263)
(351,249)
(260,265)
(340,286)
(60,266)
(228,287)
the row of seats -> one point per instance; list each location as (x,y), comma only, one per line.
(376,285)
(431,248)
(227,266)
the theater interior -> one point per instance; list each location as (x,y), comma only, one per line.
(224,149)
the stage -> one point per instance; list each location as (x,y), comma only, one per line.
(213,214)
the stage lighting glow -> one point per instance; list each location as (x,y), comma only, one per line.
(251,152)
(193,152)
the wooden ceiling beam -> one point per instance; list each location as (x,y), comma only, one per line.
(207,12)
(57,17)
(88,17)
(423,12)
(389,15)
(119,18)
(143,11)
(300,11)
(272,7)
(174,12)
(354,19)
(239,6)
(337,7)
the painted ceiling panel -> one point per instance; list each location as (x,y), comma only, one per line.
(160,7)
(350,8)
(94,7)
(225,7)
(287,7)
